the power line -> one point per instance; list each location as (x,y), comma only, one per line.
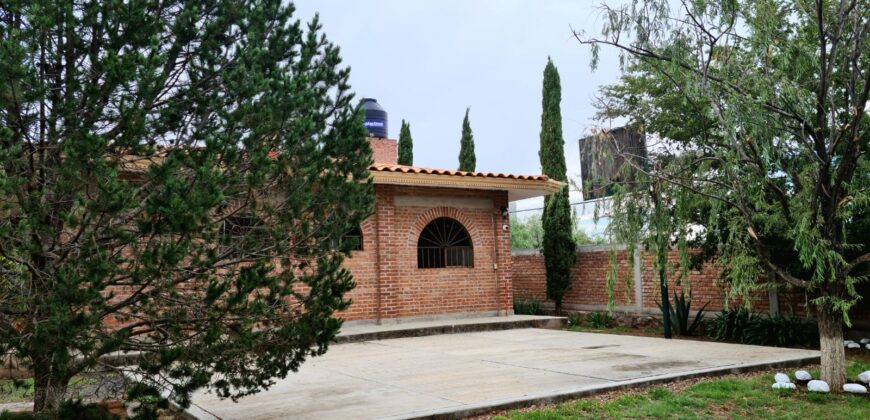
(576,203)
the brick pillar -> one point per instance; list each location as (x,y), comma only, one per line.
(637,280)
(773,295)
(387,258)
(384,150)
(504,273)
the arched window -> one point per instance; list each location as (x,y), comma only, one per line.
(241,224)
(444,242)
(355,238)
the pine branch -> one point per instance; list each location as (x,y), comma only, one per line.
(857,261)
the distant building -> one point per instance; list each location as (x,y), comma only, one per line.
(611,157)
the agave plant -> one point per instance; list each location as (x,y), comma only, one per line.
(680,314)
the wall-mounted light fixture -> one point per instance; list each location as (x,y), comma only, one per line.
(505,212)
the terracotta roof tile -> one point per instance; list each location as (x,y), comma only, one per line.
(139,164)
(381,167)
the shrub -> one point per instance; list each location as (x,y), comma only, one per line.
(600,320)
(574,319)
(729,325)
(780,331)
(527,307)
(745,327)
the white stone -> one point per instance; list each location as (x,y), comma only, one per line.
(867,346)
(783,385)
(854,346)
(847,343)
(781,378)
(803,375)
(818,386)
(855,388)
(864,340)
(864,377)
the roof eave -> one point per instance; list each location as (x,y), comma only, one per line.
(517,189)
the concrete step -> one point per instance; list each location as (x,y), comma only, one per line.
(368,331)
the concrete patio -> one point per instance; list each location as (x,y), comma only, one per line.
(471,373)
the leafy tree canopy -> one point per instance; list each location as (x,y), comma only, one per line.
(528,233)
(759,107)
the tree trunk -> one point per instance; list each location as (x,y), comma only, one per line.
(663,285)
(49,388)
(558,306)
(833,353)
(666,311)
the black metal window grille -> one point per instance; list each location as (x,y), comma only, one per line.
(355,238)
(444,242)
(240,224)
(241,232)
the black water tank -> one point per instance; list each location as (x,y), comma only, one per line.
(375,118)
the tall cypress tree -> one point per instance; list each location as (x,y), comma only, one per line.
(552,152)
(406,145)
(467,160)
(558,244)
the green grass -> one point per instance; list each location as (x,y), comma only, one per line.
(728,397)
(22,389)
(16,391)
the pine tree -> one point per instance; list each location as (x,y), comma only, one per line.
(467,160)
(160,167)
(406,145)
(558,244)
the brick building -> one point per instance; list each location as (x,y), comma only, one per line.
(438,243)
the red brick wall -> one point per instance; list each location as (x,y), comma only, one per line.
(705,285)
(589,276)
(363,264)
(384,150)
(389,284)
(529,280)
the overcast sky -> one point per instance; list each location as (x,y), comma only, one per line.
(426,61)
